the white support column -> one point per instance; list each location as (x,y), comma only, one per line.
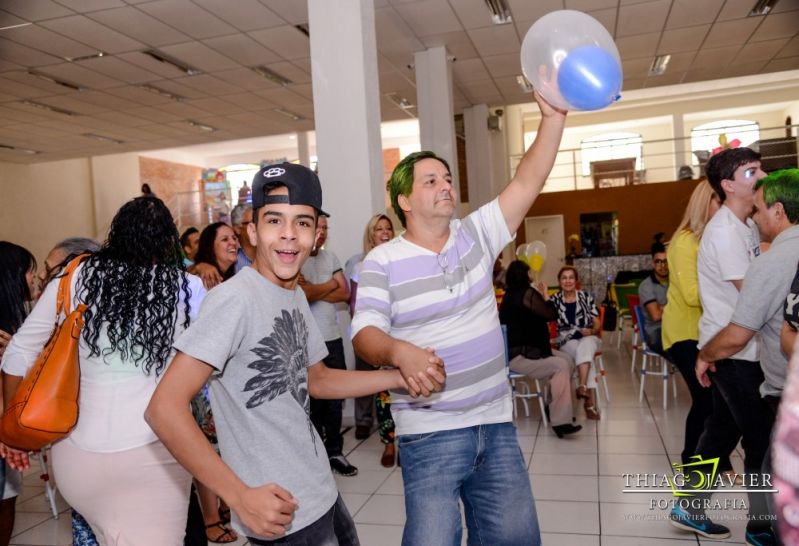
(347,115)
(681,146)
(303,149)
(479,158)
(436,111)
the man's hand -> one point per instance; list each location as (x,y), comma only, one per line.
(16,459)
(702,367)
(5,338)
(422,369)
(268,510)
(208,273)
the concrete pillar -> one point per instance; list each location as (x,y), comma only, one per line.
(303,149)
(681,145)
(347,115)
(479,158)
(435,105)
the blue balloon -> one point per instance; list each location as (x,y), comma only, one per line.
(589,78)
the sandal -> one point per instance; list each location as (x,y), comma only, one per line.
(582,392)
(227,536)
(224,512)
(591,413)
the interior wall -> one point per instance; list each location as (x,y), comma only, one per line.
(115,179)
(177,185)
(43,203)
(643,210)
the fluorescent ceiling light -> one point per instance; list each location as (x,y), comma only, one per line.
(202,126)
(524,83)
(271,75)
(289,114)
(500,12)
(9,27)
(53,79)
(659,65)
(171,61)
(102,138)
(85,57)
(400,102)
(762,7)
(18,150)
(49,108)
(161,92)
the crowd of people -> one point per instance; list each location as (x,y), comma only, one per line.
(213,372)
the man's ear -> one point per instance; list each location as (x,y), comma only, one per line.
(726,185)
(403,202)
(252,231)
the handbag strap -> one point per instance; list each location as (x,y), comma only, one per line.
(64,300)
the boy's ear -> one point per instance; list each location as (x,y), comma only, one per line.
(252,233)
(726,185)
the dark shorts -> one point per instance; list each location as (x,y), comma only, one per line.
(335,528)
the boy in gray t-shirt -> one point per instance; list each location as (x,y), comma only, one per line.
(257,342)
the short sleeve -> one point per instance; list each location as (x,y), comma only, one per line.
(491,224)
(730,251)
(373,304)
(335,264)
(646,292)
(753,310)
(213,340)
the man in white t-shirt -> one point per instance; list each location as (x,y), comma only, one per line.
(429,293)
(729,243)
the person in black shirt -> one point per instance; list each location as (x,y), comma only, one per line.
(525,311)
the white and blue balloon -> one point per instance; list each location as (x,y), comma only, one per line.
(572,62)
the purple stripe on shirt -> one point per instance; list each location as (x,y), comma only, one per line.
(474,351)
(363,303)
(476,291)
(483,397)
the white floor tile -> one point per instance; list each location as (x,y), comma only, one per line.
(565,488)
(383,510)
(568,464)
(568,517)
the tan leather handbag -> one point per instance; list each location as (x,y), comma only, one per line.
(45,407)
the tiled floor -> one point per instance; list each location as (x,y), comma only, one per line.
(576,481)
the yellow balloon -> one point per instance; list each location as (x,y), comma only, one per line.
(536,262)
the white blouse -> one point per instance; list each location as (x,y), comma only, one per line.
(113,392)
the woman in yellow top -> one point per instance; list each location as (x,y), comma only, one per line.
(683,310)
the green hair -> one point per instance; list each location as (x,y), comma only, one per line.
(401,181)
(783,187)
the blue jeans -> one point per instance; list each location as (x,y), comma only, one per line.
(481,465)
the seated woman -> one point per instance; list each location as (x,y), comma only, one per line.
(526,311)
(578,331)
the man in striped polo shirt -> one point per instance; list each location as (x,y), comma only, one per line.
(427,296)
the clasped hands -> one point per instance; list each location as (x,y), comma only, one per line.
(422,370)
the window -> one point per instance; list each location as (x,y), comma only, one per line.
(611,146)
(706,137)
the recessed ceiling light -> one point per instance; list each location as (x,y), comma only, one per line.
(85,57)
(659,65)
(161,92)
(271,75)
(53,79)
(500,12)
(762,7)
(102,138)
(171,61)
(18,150)
(400,102)
(202,126)
(289,114)
(49,108)
(524,83)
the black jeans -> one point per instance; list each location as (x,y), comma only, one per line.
(683,354)
(326,414)
(738,382)
(335,528)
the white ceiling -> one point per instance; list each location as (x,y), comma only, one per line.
(707,39)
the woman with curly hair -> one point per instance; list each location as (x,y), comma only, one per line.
(17,292)
(112,468)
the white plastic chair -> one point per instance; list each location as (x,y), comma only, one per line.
(520,387)
(652,363)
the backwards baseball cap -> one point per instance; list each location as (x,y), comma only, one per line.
(302,183)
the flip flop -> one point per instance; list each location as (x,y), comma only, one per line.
(227,536)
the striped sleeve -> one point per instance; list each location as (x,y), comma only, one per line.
(373,303)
